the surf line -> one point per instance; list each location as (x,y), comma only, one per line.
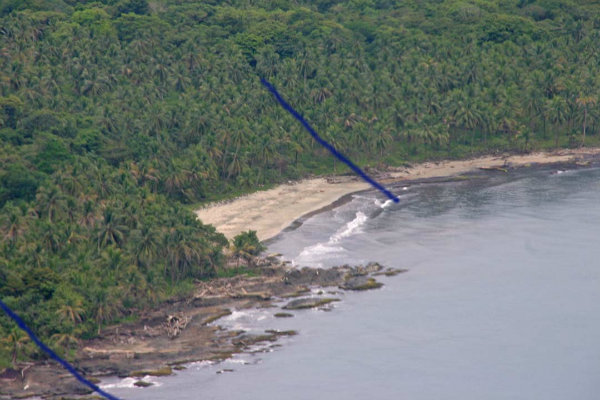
(325,144)
(52,354)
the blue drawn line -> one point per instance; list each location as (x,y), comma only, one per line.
(52,354)
(325,144)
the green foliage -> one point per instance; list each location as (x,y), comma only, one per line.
(134,6)
(11,107)
(116,115)
(17,183)
(89,16)
(248,243)
(52,154)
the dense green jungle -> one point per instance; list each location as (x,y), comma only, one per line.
(117,117)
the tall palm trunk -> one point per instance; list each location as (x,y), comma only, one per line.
(584,126)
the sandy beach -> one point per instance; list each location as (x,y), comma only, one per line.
(269,212)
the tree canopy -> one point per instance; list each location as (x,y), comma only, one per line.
(117,114)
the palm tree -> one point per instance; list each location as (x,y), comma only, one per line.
(88,215)
(104,309)
(174,182)
(381,141)
(145,244)
(112,231)
(50,237)
(72,311)
(246,245)
(50,201)
(113,258)
(12,225)
(64,340)
(557,110)
(468,117)
(584,102)
(533,105)
(182,256)
(16,341)
(236,165)
(267,151)
(161,72)
(332,138)
(181,80)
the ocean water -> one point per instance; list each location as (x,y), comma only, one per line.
(501,301)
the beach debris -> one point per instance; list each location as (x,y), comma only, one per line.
(175,324)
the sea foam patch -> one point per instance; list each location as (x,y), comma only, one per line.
(129,383)
(312,254)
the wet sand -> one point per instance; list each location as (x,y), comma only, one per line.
(269,212)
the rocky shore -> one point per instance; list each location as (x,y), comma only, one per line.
(187,330)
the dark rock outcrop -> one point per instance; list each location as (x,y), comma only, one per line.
(310,302)
(360,283)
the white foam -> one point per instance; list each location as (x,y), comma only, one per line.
(315,252)
(200,364)
(235,315)
(387,204)
(319,249)
(129,383)
(123,383)
(243,319)
(241,361)
(350,228)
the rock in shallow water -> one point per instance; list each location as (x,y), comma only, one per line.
(360,283)
(142,384)
(283,315)
(311,302)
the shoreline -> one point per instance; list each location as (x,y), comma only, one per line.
(146,346)
(151,347)
(272,211)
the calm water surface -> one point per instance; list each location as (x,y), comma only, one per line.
(501,301)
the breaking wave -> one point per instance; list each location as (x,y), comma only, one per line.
(315,252)
(129,383)
(350,228)
(385,204)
